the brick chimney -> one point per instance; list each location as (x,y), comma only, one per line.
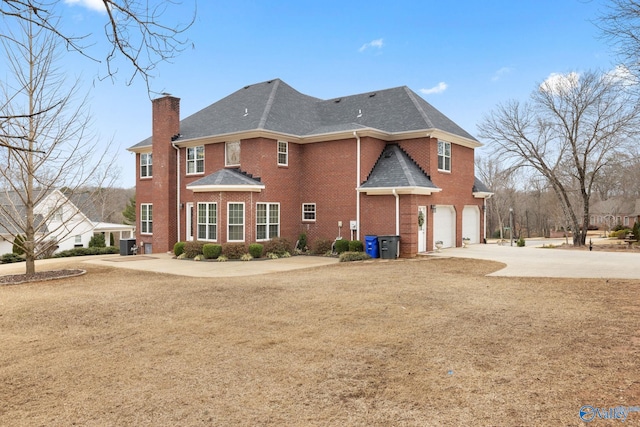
(166,124)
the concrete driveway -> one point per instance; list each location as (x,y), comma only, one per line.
(545,262)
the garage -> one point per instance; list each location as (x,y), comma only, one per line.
(471,223)
(444,225)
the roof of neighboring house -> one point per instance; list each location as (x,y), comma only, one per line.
(479,187)
(616,206)
(275,106)
(395,169)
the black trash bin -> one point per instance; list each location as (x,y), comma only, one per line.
(371,246)
(126,246)
(388,246)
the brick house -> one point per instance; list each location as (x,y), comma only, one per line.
(269,161)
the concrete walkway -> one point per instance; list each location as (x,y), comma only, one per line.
(546,262)
(165,263)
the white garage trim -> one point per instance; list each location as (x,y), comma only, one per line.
(471,223)
(444,226)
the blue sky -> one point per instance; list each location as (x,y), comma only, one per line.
(464,57)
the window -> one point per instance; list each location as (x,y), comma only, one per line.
(77,240)
(195,159)
(146,218)
(283,153)
(308,211)
(232,153)
(56,214)
(267,221)
(444,156)
(146,164)
(235,219)
(626,220)
(207,221)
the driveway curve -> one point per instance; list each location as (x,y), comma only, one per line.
(547,262)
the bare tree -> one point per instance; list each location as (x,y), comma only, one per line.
(53,148)
(566,132)
(620,25)
(136,30)
(502,183)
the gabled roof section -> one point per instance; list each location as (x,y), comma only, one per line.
(479,190)
(275,107)
(227,180)
(396,171)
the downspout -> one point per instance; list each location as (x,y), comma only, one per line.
(357,185)
(395,193)
(177,187)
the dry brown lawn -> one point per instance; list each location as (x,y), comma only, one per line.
(401,343)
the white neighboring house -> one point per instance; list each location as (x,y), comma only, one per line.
(71,226)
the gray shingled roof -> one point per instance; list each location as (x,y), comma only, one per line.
(226,177)
(396,169)
(276,106)
(479,187)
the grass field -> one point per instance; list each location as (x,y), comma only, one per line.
(404,343)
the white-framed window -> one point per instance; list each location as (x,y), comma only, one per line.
(146,165)
(444,156)
(283,153)
(308,211)
(232,153)
(235,222)
(626,220)
(77,239)
(207,221)
(267,221)
(146,218)
(195,160)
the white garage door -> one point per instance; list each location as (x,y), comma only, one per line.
(471,223)
(444,225)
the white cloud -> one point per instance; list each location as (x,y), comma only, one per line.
(439,88)
(557,82)
(621,74)
(97,5)
(377,43)
(501,73)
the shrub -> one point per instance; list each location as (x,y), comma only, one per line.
(302,242)
(211,250)
(353,256)
(278,246)
(636,230)
(11,258)
(322,246)
(520,242)
(246,257)
(97,241)
(341,246)
(356,246)
(178,248)
(87,251)
(255,249)
(18,244)
(233,250)
(222,258)
(199,257)
(194,248)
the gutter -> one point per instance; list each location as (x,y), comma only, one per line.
(395,193)
(357,185)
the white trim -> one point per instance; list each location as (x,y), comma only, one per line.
(213,187)
(147,164)
(194,161)
(226,156)
(244,221)
(444,156)
(198,237)
(268,223)
(148,221)
(386,191)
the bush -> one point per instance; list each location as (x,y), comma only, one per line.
(302,242)
(321,246)
(178,248)
(353,256)
(341,246)
(97,241)
(620,234)
(11,258)
(233,250)
(278,246)
(356,246)
(193,249)
(87,251)
(520,242)
(246,257)
(255,249)
(211,250)
(636,231)
(18,244)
